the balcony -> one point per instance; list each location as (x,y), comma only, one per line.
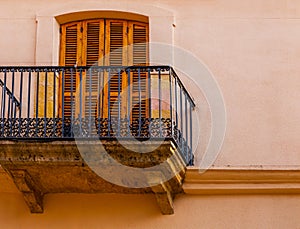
(53,119)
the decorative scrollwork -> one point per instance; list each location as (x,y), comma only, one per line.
(87,127)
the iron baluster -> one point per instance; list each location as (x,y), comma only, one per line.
(108,107)
(28,103)
(37,103)
(45,103)
(186,130)
(140,102)
(21,99)
(171,103)
(80,102)
(63,102)
(54,104)
(128,100)
(90,101)
(159,102)
(119,101)
(72,121)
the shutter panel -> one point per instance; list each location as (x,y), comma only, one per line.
(70,53)
(94,42)
(116,42)
(116,55)
(138,38)
(93,49)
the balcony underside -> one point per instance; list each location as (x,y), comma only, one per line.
(39,168)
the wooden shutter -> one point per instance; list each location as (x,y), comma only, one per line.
(70,55)
(93,52)
(84,43)
(138,40)
(94,42)
(116,42)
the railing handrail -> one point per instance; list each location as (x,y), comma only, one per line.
(47,68)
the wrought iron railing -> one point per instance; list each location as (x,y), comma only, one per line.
(61,103)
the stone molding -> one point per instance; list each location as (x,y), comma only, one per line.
(247,180)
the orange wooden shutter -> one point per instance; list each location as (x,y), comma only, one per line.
(116,55)
(138,41)
(84,43)
(70,56)
(93,50)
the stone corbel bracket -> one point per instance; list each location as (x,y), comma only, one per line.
(31,193)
